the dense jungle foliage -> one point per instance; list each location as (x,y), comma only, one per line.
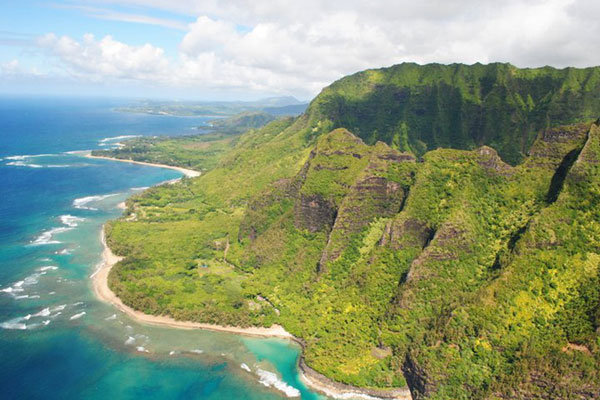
(436,226)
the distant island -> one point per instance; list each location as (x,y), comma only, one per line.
(278,106)
(424,228)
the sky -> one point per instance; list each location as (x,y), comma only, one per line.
(234,49)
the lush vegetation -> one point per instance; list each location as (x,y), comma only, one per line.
(447,269)
(421,108)
(198,152)
(240,123)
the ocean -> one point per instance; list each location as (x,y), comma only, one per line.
(56,340)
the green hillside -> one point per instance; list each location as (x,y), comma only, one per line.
(433,225)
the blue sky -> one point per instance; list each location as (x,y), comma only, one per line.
(214,49)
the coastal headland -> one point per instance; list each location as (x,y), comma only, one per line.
(310,377)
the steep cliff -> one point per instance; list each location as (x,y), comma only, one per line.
(425,225)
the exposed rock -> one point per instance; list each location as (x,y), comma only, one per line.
(416,378)
(491,161)
(373,195)
(552,145)
(405,232)
(314,213)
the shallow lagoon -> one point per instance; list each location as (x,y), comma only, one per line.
(56,339)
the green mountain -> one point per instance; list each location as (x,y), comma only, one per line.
(431,226)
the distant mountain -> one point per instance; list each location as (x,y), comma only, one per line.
(278,101)
(287,105)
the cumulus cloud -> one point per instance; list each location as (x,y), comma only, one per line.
(106,58)
(279,46)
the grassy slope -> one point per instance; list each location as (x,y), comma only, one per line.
(198,152)
(381,264)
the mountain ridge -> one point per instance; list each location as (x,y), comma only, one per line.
(391,266)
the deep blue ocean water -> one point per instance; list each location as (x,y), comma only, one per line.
(56,340)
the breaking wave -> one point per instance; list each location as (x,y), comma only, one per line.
(270,379)
(82,203)
(77,316)
(23,164)
(46,237)
(109,140)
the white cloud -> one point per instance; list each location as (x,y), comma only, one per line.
(106,58)
(298,47)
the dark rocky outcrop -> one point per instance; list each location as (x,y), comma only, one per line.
(373,195)
(314,213)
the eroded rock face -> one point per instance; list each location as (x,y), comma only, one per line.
(405,232)
(416,378)
(550,148)
(373,195)
(491,161)
(314,213)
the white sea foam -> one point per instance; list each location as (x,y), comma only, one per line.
(16,323)
(11,290)
(46,237)
(130,340)
(58,308)
(63,252)
(46,322)
(26,156)
(141,188)
(43,313)
(347,395)
(13,324)
(173,352)
(70,220)
(111,318)
(77,152)
(270,379)
(82,203)
(64,165)
(23,164)
(48,268)
(25,161)
(245,367)
(78,303)
(142,349)
(109,140)
(197,351)
(19,287)
(77,316)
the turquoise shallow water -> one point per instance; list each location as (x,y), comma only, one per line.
(56,340)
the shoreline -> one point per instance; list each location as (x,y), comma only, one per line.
(103,293)
(311,378)
(190,173)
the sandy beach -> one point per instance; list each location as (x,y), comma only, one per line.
(190,173)
(103,292)
(310,377)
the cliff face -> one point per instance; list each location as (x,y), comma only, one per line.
(448,269)
(419,108)
(429,244)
